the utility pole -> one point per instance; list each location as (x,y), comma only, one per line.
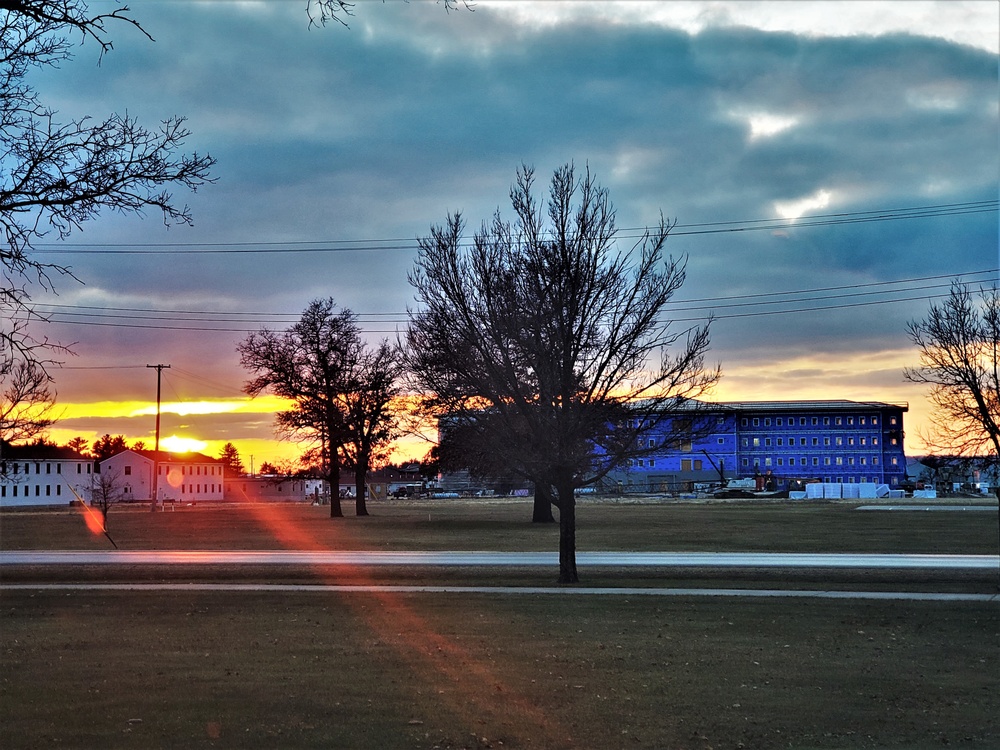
(156,448)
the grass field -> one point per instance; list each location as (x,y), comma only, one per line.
(110,669)
(479,525)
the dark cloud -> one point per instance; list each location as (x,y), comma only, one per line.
(377,131)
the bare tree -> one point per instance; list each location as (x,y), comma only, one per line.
(27,402)
(343,392)
(553,338)
(959,343)
(58,175)
(370,419)
(309,364)
(107,491)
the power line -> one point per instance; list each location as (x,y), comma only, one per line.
(362,316)
(813,309)
(847,286)
(206,329)
(197,379)
(671,307)
(407,243)
(67,314)
(60,366)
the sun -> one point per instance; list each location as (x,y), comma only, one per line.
(175,444)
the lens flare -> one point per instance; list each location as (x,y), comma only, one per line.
(175,478)
(470,686)
(94,520)
(92,517)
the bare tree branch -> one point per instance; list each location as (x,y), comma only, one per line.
(959,343)
(27,401)
(59,175)
(549,341)
(342,392)
(322,11)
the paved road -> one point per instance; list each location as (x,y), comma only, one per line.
(959,564)
(973,508)
(306,588)
(520,559)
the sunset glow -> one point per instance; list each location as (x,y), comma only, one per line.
(864,376)
(726,116)
(176,444)
(265,404)
(186,408)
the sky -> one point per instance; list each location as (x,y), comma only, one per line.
(338,147)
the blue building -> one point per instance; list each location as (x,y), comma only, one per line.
(787,442)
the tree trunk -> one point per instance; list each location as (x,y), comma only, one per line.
(361,473)
(567,534)
(542,511)
(336,511)
(996,491)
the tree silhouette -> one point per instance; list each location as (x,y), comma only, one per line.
(959,343)
(550,341)
(230,457)
(107,446)
(27,402)
(341,391)
(59,175)
(370,421)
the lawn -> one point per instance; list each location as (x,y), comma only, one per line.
(480,525)
(140,669)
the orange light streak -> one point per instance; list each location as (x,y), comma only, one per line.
(93,518)
(469,687)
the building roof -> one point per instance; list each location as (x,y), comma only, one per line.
(41,452)
(698,405)
(830,405)
(164,457)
